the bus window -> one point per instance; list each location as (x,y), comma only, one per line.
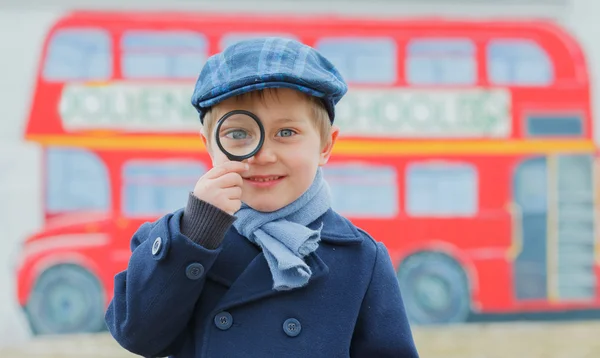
(362,60)
(78,54)
(356,186)
(518,62)
(554,126)
(163,54)
(77,180)
(154,188)
(441,62)
(232,38)
(441,189)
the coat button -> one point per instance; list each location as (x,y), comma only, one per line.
(223,321)
(194,271)
(292,327)
(156,246)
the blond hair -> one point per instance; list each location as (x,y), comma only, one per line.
(319,114)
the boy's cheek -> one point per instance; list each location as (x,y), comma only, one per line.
(217,157)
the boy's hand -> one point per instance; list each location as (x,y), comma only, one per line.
(222,186)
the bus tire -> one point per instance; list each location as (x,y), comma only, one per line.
(435,289)
(66,299)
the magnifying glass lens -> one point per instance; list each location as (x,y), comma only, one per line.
(239,135)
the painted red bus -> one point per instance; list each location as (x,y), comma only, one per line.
(466,148)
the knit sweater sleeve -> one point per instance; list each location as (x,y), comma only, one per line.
(204,223)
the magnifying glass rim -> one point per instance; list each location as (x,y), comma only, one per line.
(261,140)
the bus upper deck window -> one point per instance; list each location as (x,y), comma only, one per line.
(554,126)
(438,61)
(518,62)
(78,54)
(163,54)
(362,60)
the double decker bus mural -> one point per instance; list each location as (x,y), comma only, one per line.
(465,146)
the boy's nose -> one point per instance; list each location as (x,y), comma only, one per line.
(264,156)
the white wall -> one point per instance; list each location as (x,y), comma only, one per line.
(22,28)
(21,33)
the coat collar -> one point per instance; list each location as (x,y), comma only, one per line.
(337,229)
(251,281)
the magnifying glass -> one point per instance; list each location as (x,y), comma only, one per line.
(239,134)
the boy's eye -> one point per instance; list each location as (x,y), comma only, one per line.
(286,133)
(236,134)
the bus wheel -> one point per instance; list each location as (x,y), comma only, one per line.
(66,299)
(434,288)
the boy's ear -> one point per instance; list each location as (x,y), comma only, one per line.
(326,151)
(205,142)
(203,137)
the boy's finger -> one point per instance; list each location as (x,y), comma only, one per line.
(227,167)
(231,179)
(233,193)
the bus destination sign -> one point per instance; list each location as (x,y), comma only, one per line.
(389,113)
(127,107)
(425,113)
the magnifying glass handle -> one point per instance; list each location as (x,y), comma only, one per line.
(235,158)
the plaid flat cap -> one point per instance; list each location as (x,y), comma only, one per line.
(267,62)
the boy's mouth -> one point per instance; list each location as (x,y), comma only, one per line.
(264,178)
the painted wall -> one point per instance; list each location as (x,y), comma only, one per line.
(22,29)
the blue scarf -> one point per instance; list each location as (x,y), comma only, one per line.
(284,236)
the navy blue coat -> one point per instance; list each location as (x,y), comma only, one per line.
(179,299)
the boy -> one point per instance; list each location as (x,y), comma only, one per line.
(258,264)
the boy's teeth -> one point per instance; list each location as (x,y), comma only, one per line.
(264,179)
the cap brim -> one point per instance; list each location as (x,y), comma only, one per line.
(255,87)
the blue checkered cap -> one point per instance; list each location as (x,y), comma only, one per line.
(268,62)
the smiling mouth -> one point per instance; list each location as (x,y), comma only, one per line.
(264,179)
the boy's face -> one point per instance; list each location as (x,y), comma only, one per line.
(286,164)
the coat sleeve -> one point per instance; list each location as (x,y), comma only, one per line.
(154,298)
(382,328)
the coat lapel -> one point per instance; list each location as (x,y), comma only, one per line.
(236,255)
(255,280)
